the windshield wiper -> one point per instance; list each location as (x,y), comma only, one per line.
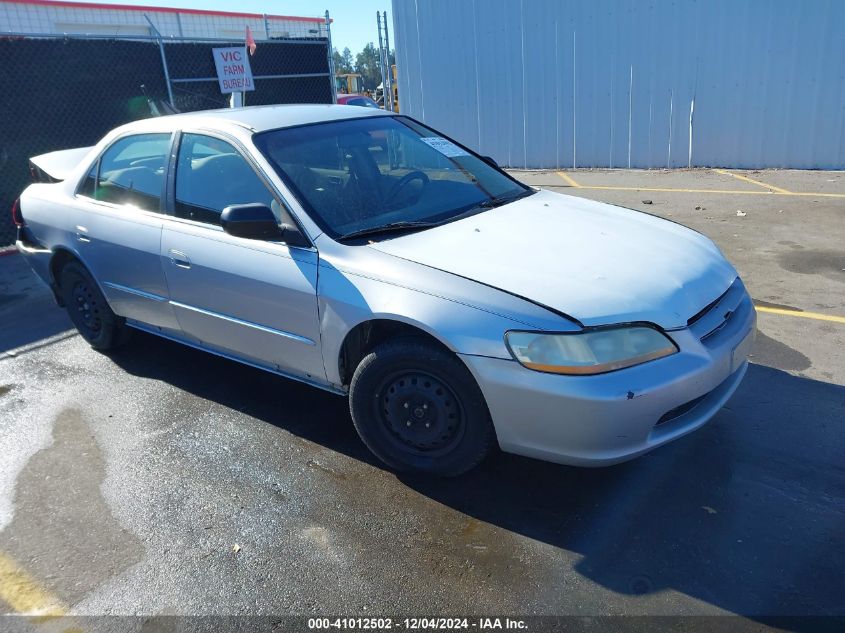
(388,228)
(489,203)
(406,225)
(500,200)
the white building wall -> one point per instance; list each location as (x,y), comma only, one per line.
(92,19)
(557,83)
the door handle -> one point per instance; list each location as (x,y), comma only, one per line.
(180,259)
(82,234)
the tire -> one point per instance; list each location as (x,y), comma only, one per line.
(88,309)
(418,409)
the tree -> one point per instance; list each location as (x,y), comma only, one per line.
(342,61)
(367,65)
(347,60)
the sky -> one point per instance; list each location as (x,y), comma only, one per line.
(354,21)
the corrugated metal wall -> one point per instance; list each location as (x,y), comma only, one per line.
(611,83)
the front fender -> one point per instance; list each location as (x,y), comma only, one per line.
(347,299)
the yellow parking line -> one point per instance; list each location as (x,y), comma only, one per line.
(812,194)
(751,180)
(804,315)
(729,191)
(672,189)
(569,179)
(771,190)
(21,592)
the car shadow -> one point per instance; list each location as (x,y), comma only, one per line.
(745,514)
(28,311)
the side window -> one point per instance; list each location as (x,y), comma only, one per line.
(130,172)
(88,187)
(211,175)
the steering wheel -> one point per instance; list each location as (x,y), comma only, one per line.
(404,181)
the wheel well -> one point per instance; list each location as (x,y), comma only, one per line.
(365,336)
(57,262)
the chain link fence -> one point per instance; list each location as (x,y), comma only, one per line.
(68,92)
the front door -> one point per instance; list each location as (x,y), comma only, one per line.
(252,299)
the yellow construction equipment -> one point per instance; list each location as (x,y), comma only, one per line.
(349,84)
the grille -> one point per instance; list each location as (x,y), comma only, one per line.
(697,316)
(725,319)
(715,316)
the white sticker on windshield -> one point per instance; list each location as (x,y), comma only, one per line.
(447,148)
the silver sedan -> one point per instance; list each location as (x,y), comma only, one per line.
(366,254)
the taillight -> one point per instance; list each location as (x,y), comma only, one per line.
(17,216)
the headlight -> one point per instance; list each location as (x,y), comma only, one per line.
(591,351)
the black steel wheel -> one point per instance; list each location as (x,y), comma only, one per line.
(421,412)
(88,309)
(417,408)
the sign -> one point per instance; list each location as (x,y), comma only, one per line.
(233,71)
(447,148)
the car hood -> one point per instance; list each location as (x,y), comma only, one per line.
(597,263)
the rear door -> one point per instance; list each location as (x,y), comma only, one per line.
(119,234)
(252,299)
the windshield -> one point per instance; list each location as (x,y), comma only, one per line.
(359,175)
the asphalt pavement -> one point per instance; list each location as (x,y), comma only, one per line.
(162,480)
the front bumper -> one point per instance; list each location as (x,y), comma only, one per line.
(609,418)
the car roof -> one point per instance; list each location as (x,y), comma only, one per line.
(256,118)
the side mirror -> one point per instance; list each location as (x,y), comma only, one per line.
(252,221)
(258,222)
(491,161)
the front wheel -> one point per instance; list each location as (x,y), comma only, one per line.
(417,408)
(88,309)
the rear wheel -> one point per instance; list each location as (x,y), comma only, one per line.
(417,407)
(88,309)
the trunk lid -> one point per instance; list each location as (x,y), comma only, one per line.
(56,166)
